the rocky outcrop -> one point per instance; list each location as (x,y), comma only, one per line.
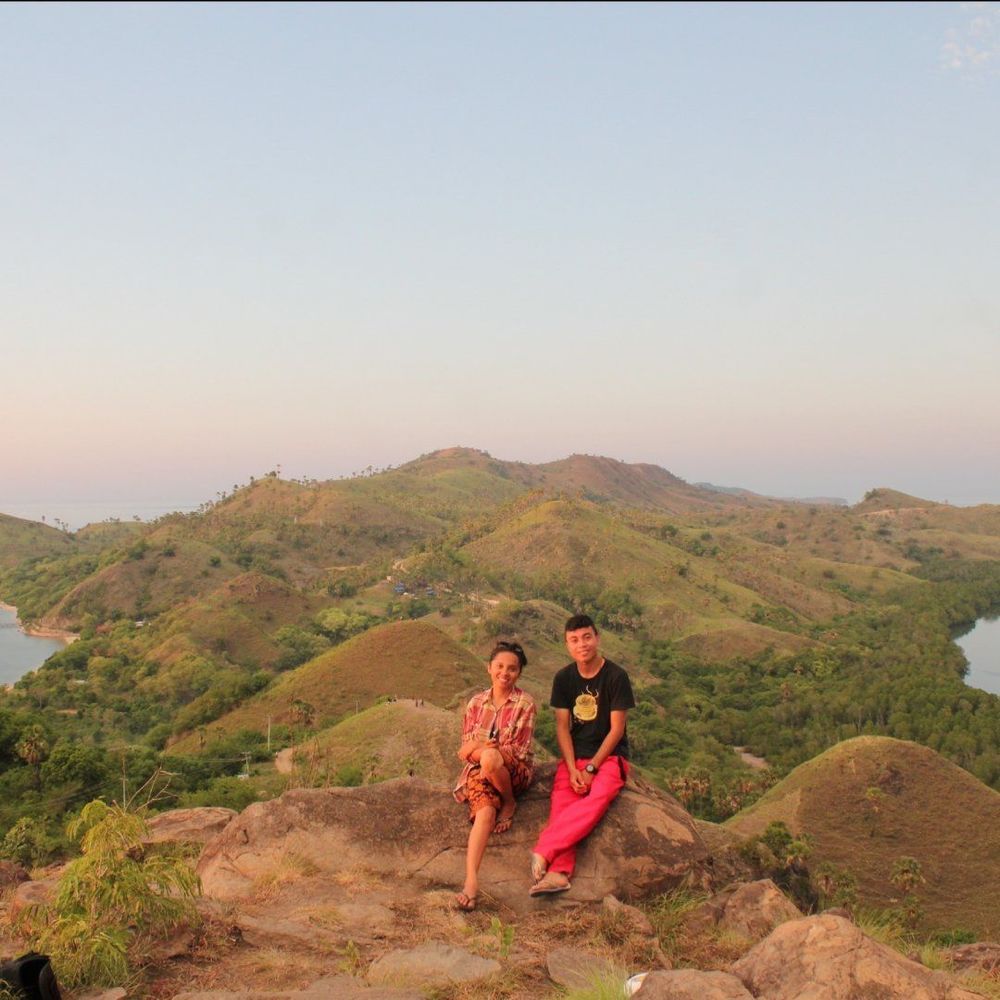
(828,958)
(198,826)
(751,909)
(406,827)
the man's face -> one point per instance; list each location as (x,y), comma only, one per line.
(582,644)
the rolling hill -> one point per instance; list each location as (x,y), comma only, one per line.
(871,800)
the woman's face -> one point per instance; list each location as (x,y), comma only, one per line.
(505,668)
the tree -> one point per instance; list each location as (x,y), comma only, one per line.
(77,763)
(33,748)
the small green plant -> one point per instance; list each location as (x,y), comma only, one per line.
(607,985)
(907,875)
(954,937)
(504,933)
(836,886)
(111,901)
(885,926)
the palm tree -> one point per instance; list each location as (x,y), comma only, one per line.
(33,748)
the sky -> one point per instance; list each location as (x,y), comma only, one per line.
(758,245)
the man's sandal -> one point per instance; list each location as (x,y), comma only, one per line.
(549,884)
(539,866)
(465,902)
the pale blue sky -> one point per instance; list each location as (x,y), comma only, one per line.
(754,244)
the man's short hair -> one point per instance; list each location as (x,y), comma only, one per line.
(578,622)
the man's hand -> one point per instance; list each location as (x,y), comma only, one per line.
(579,781)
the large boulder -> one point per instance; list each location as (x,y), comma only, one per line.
(828,958)
(198,825)
(751,909)
(407,827)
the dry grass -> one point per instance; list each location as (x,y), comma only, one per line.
(289,868)
(513,983)
(985,984)
(358,879)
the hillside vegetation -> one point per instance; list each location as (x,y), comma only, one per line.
(210,640)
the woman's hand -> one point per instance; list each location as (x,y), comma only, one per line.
(472,749)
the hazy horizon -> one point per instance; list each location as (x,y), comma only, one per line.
(78,512)
(753,245)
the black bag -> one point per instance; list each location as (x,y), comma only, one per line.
(31,977)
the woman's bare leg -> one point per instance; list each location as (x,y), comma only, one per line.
(482,827)
(496,773)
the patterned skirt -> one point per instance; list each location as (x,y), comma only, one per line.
(479,792)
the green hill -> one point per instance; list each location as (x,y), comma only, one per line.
(20,540)
(157,572)
(868,801)
(236,621)
(389,740)
(409,659)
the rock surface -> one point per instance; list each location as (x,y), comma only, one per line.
(275,932)
(752,909)
(828,958)
(983,956)
(689,984)
(328,988)
(636,919)
(430,964)
(29,894)
(408,827)
(199,825)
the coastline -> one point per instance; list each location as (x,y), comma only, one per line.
(41,632)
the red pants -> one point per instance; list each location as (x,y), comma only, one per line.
(572,816)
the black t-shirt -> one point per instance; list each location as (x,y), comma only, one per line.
(591,701)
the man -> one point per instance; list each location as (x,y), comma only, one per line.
(591,698)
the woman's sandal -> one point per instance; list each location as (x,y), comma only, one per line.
(465,902)
(505,823)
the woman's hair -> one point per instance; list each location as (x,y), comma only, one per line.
(503,646)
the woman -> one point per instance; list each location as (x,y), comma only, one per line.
(496,747)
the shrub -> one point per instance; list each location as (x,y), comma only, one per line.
(24,842)
(111,901)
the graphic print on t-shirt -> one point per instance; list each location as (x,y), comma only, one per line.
(585,707)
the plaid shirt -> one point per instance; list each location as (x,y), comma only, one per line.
(513,727)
